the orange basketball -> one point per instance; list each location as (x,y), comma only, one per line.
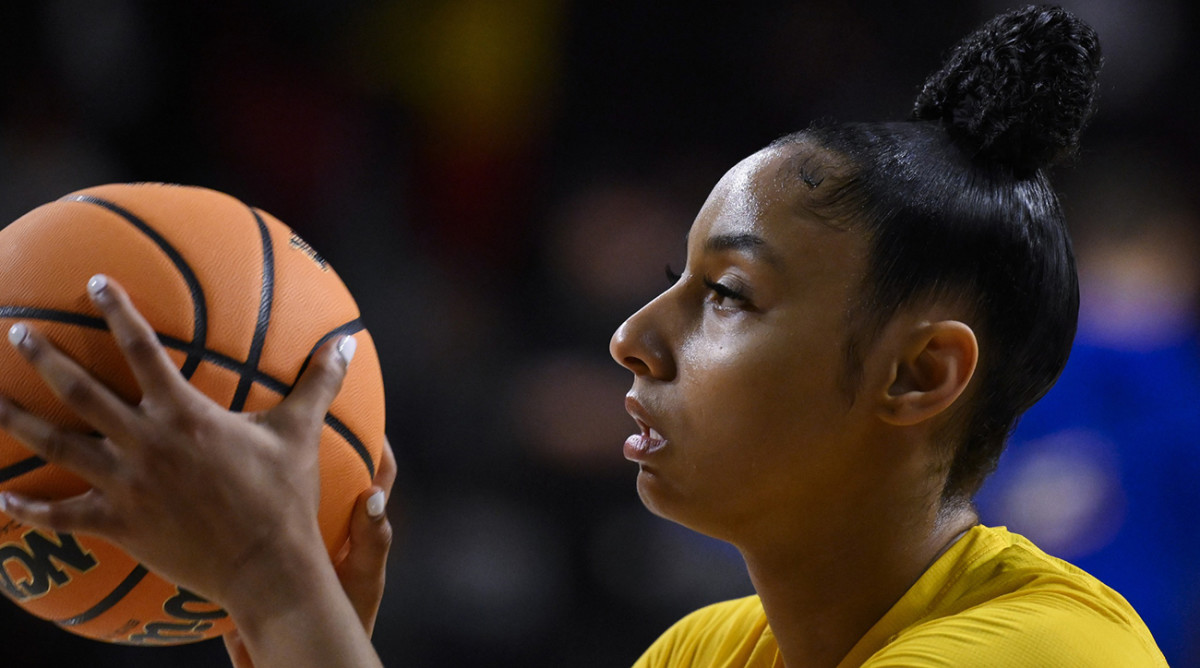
(241,303)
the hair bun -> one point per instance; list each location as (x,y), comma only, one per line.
(1018,90)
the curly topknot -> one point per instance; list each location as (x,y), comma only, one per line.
(1020,89)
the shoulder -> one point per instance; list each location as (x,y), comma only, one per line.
(1033,630)
(723,634)
(1010,604)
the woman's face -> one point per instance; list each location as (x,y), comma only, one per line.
(739,389)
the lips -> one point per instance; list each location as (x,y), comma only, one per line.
(639,447)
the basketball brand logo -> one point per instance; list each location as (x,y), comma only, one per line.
(31,566)
(301,245)
(192,616)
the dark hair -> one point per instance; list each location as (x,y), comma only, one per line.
(956,204)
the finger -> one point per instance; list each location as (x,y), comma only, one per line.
(364,570)
(303,410)
(151,366)
(88,512)
(238,654)
(71,383)
(385,475)
(92,458)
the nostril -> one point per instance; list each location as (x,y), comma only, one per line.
(636,365)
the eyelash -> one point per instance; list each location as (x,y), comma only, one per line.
(672,277)
(724,291)
(721,290)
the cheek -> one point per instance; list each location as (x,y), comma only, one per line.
(721,378)
(765,392)
(733,392)
(724,349)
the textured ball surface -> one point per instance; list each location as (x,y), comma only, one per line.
(241,303)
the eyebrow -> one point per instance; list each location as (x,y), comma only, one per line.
(751,244)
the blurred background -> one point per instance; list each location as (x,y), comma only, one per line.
(500,183)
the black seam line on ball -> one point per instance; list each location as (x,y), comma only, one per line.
(267,295)
(53,315)
(114,597)
(195,349)
(91,322)
(351,438)
(353,327)
(270,382)
(20,468)
(224,361)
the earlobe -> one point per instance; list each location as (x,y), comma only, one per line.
(931,372)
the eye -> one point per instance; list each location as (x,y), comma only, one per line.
(725,296)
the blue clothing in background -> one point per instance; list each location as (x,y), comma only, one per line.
(1105,472)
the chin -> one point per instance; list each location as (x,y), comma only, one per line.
(645,488)
(655,496)
(670,504)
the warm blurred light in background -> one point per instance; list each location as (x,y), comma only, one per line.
(502,181)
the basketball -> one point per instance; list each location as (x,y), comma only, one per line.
(241,303)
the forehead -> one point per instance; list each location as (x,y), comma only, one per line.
(748,187)
(766,196)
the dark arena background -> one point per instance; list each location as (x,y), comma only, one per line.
(500,182)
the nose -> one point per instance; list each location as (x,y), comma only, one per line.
(639,344)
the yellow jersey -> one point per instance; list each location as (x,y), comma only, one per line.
(993,599)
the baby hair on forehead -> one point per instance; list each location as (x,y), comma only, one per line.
(816,178)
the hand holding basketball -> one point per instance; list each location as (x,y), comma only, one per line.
(191,489)
(363,570)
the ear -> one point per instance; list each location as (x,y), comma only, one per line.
(931,372)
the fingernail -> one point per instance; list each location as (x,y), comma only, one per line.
(96,285)
(346,348)
(376,504)
(18,333)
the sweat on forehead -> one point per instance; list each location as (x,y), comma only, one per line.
(812,178)
(799,177)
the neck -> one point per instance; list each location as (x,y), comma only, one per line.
(820,602)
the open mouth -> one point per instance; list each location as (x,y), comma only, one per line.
(649,432)
(648,440)
(639,447)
